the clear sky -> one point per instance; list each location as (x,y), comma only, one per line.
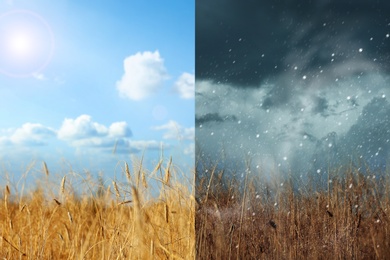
(94,83)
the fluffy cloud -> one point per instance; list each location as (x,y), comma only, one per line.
(28,134)
(83,132)
(119,129)
(175,131)
(185,85)
(83,127)
(144,73)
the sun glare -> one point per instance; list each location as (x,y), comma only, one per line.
(26,43)
(20,44)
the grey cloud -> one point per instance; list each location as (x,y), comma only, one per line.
(321,106)
(213,117)
(366,144)
(306,81)
(369,138)
(324,132)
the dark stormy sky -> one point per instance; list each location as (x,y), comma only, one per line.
(293,85)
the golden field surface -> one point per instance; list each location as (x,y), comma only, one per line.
(346,217)
(78,217)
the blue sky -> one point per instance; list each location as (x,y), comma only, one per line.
(80,78)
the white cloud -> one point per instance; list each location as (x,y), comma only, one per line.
(144,72)
(28,134)
(185,85)
(84,132)
(39,76)
(119,129)
(81,127)
(176,131)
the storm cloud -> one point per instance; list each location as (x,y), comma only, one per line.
(244,43)
(296,85)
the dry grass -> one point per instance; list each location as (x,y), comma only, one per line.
(293,219)
(119,220)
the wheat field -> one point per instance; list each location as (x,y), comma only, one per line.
(79,217)
(293,218)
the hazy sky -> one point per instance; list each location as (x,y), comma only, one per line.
(293,85)
(79,79)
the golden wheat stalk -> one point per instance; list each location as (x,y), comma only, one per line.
(167,175)
(70,217)
(151,247)
(128,176)
(57,202)
(137,206)
(22,208)
(7,192)
(144,183)
(158,166)
(108,192)
(117,193)
(140,169)
(63,184)
(14,247)
(45,169)
(166,213)
(124,202)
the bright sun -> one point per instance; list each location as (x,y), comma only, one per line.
(26,43)
(20,44)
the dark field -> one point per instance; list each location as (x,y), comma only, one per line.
(288,219)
